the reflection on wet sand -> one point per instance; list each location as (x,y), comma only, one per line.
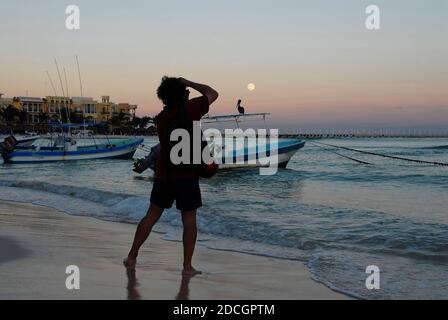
(133,293)
(184,290)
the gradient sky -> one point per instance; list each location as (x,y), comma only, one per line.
(314,63)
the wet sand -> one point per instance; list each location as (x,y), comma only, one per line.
(38,243)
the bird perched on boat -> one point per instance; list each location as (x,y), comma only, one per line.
(239,107)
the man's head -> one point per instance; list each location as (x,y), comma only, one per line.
(172,92)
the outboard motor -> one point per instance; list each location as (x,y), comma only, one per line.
(9,143)
(7,146)
(149,161)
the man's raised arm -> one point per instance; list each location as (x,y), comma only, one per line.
(204,89)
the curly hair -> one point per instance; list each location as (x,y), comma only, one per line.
(171,91)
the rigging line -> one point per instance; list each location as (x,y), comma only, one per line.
(344,156)
(59,75)
(385,155)
(66,89)
(80,86)
(79,74)
(52,85)
(55,95)
(62,87)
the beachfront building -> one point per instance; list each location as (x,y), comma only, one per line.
(85,108)
(107,110)
(56,108)
(128,110)
(33,106)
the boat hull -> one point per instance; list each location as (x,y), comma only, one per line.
(285,152)
(25,156)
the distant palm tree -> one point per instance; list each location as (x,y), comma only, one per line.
(136,122)
(145,121)
(44,117)
(23,116)
(115,121)
(121,116)
(10,113)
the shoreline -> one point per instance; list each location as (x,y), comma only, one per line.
(41,242)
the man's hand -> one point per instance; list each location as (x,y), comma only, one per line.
(185,81)
(205,90)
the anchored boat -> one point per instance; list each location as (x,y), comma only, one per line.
(67,147)
(254,152)
(261,154)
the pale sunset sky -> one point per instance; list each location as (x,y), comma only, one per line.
(314,63)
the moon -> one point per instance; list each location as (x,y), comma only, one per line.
(251,87)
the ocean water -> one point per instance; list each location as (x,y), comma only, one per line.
(335,215)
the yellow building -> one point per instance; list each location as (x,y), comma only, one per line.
(106,109)
(55,108)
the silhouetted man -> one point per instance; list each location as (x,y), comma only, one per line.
(171,183)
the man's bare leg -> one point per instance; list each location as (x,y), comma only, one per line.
(189,240)
(143,230)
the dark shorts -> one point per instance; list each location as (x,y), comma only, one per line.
(186,192)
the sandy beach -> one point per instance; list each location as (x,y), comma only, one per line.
(38,243)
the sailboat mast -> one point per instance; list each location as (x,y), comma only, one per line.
(62,87)
(68,95)
(55,95)
(80,87)
(79,74)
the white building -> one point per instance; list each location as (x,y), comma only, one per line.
(86,106)
(34,106)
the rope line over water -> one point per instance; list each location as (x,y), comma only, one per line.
(343,155)
(350,158)
(384,155)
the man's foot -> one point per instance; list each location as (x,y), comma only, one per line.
(189,272)
(129,263)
